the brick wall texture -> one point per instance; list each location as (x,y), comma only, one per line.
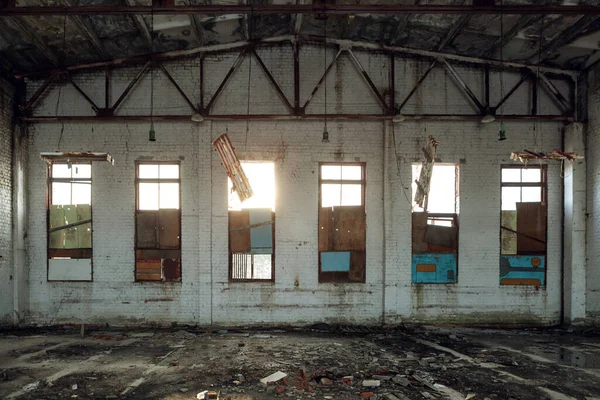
(205,295)
(6,114)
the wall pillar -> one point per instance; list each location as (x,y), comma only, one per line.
(575,193)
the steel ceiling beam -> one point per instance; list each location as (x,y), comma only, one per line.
(302,9)
(300,40)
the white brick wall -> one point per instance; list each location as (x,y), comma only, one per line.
(593,197)
(6,283)
(205,295)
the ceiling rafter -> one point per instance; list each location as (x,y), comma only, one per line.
(455,29)
(27,31)
(330,9)
(402,26)
(87,29)
(503,39)
(293,40)
(139,22)
(563,38)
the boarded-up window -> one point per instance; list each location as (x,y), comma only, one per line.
(252,226)
(523,215)
(435,227)
(523,223)
(69,221)
(342,222)
(158,222)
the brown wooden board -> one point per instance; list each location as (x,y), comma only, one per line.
(419,226)
(158,253)
(239,239)
(350,228)
(357,266)
(531,221)
(325,228)
(444,236)
(171,269)
(146,230)
(148,270)
(72,253)
(169,223)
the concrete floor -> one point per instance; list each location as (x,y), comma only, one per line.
(424,363)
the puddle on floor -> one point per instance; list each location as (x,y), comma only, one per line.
(572,357)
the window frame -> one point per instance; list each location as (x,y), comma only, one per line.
(543,185)
(50,179)
(334,276)
(273,222)
(139,180)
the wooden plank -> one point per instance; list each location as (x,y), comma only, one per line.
(146,229)
(169,222)
(419,226)
(520,281)
(444,236)
(426,268)
(171,269)
(325,227)
(357,266)
(239,240)
(350,228)
(158,253)
(531,221)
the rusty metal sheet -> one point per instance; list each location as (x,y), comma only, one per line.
(171,269)
(531,225)
(350,228)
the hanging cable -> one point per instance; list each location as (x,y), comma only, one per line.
(152,132)
(248,104)
(325,138)
(536,123)
(63,63)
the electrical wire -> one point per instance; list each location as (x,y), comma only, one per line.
(63,56)
(325,72)
(501,59)
(398,166)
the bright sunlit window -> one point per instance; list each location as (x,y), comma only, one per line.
(521,185)
(158,186)
(261,176)
(443,189)
(341,185)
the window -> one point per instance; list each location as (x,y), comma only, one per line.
(69,222)
(252,226)
(523,225)
(158,222)
(342,222)
(435,226)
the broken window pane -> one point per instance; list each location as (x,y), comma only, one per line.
(352,172)
(331,195)
(169,171)
(511,175)
(81,193)
(510,197)
(148,196)
(351,195)
(531,195)
(532,175)
(169,195)
(331,172)
(147,171)
(61,171)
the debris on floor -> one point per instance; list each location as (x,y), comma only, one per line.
(321,362)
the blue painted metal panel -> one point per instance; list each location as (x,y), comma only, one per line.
(261,237)
(522,267)
(335,261)
(444,270)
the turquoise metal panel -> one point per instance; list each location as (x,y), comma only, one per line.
(445,268)
(261,237)
(523,267)
(335,261)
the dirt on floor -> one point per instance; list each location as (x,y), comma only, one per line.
(320,362)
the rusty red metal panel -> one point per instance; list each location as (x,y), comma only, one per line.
(234,168)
